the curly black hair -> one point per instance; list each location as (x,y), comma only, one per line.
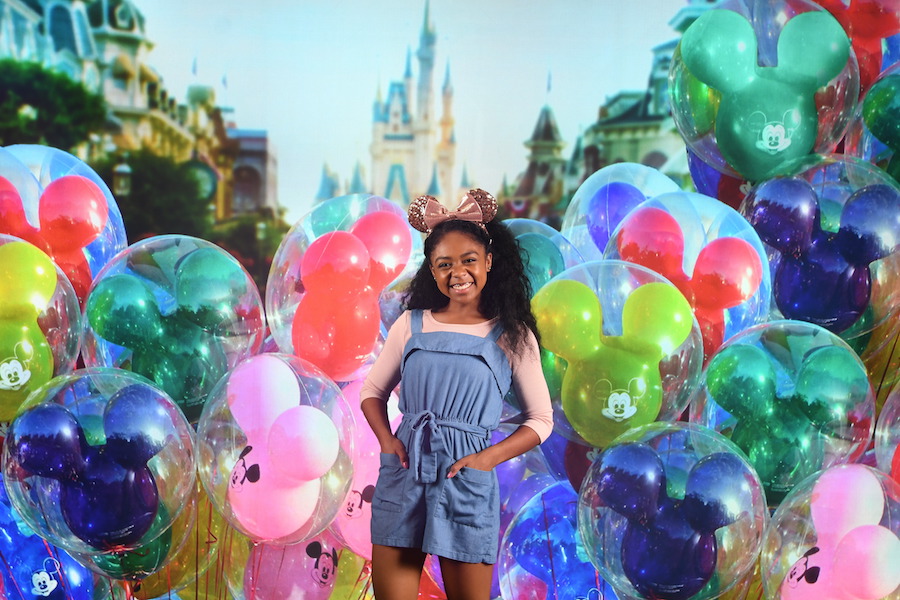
(507,293)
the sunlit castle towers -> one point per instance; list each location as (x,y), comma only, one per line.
(413,151)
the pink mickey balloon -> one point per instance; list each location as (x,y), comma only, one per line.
(388,239)
(305,571)
(303,443)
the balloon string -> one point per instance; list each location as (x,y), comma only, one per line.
(887,364)
(14,580)
(365,575)
(256,567)
(549,547)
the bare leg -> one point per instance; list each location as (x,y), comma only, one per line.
(466,581)
(396,572)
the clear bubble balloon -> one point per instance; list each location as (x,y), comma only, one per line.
(791,395)
(632,348)
(101,463)
(835,536)
(887,436)
(324,290)
(276,440)
(178,310)
(542,555)
(755,85)
(831,232)
(672,510)
(603,200)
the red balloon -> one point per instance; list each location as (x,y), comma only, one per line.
(337,337)
(336,263)
(389,242)
(652,238)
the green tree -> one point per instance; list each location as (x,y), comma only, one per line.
(40,106)
(165,198)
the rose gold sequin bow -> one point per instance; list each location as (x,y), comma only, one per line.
(477,206)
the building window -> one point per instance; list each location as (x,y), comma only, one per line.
(61,30)
(247,189)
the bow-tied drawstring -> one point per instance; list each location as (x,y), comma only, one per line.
(428,443)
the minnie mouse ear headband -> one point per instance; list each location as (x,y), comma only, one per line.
(477,206)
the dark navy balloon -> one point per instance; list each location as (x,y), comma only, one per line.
(631,481)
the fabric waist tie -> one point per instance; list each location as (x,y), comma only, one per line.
(427,442)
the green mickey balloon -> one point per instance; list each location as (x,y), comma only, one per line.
(784,431)
(767,115)
(880,111)
(611,383)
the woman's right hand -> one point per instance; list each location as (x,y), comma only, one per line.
(393,445)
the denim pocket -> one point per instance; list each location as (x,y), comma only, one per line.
(391,484)
(471,497)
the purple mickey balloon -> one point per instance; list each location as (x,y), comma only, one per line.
(870,224)
(607,207)
(784,212)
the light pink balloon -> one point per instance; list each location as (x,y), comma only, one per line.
(352,524)
(303,444)
(867,562)
(304,571)
(264,507)
(259,389)
(843,499)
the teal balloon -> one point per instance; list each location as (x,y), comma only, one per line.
(541,257)
(767,114)
(741,380)
(829,385)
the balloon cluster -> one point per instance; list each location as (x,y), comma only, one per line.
(95,464)
(672,510)
(275,441)
(178,310)
(728,286)
(794,397)
(843,540)
(55,201)
(326,278)
(40,322)
(614,381)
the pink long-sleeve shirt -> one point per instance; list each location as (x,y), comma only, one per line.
(527,376)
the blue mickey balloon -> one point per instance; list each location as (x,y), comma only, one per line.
(31,568)
(542,539)
(823,274)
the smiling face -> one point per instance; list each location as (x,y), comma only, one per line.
(460,267)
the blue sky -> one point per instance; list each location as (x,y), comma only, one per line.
(308,71)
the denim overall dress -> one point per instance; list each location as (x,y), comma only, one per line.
(451,394)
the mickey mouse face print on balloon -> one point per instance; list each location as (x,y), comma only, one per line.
(747,81)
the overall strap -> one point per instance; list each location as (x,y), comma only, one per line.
(415,320)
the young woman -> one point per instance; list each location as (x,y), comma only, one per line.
(467,335)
